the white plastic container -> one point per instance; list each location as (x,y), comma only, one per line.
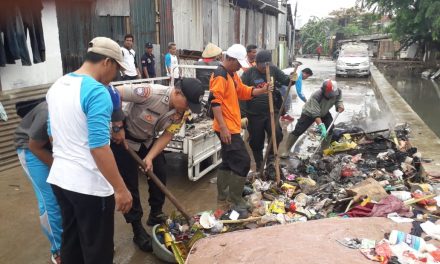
(415,242)
(401,195)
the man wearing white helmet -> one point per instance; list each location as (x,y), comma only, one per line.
(317,110)
(226,88)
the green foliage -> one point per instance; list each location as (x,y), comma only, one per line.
(349,21)
(412,20)
(315,32)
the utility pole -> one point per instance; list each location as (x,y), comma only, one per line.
(294,32)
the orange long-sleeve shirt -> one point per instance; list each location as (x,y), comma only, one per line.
(226,90)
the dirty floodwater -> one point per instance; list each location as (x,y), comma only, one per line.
(20,225)
(422,95)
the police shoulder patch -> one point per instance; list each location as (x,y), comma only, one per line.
(166,99)
(142,91)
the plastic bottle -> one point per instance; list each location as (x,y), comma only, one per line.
(415,242)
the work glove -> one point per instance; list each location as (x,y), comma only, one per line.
(294,76)
(323,130)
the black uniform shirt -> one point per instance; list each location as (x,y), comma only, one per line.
(148,61)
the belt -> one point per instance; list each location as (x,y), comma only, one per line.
(130,137)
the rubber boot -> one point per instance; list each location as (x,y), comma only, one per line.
(141,237)
(258,157)
(291,140)
(223,177)
(222,184)
(236,191)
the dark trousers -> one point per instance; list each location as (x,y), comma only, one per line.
(128,168)
(258,127)
(88,227)
(319,56)
(305,121)
(235,156)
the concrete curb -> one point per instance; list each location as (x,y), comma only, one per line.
(423,137)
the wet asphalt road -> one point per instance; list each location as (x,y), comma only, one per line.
(23,242)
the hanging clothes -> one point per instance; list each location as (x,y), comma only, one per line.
(17,20)
(31,16)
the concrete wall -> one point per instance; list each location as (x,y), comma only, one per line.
(422,136)
(17,76)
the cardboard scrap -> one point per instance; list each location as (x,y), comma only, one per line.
(369,187)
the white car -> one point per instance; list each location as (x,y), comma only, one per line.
(353,60)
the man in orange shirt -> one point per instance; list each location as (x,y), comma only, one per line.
(226,89)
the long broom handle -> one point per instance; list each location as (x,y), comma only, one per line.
(272,125)
(161,186)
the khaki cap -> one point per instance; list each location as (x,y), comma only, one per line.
(109,48)
(211,50)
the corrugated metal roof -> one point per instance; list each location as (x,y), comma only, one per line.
(271,32)
(78,23)
(188,24)
(242,26)
(282,20)
(75,31)
(259,27)
(224,24)
(166,27)
(143,24)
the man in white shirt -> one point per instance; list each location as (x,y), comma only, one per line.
(84,175)
(132,71)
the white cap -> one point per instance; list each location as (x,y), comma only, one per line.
(238,51)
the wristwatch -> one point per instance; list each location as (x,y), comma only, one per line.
(116,129)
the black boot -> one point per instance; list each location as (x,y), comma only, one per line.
(141,237)
(258,157)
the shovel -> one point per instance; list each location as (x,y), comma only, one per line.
(161,186)
(328,129)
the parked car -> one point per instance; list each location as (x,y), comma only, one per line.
(353,60)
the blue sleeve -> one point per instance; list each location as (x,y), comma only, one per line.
(116,99)
(118,113)
(96,104)
(49,132)
(168,60)
(298,86)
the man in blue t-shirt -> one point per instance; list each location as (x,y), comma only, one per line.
(84,175)
(171,62)
(304,75)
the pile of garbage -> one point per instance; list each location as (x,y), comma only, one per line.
(399,247)
(359,175)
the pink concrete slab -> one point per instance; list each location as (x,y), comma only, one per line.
(310,242)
